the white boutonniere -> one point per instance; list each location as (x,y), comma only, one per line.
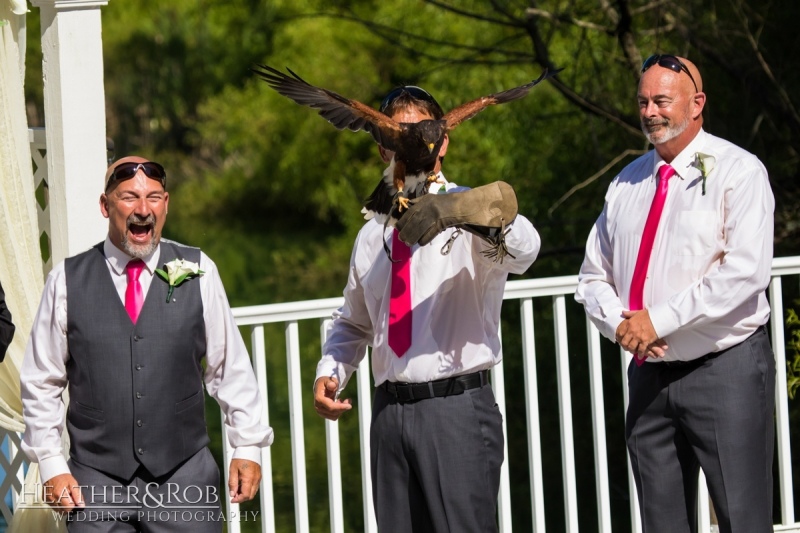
(178,271)
(705,163)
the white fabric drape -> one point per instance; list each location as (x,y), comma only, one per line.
(20,257)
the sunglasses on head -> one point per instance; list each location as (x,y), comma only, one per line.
(668,61)
(126,171)
(416,92)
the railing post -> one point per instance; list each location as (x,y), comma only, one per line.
(364,422)
(296,394)
(782,433)
(336,502)
(565,407)
(532,413)
(266,495)
(599,425)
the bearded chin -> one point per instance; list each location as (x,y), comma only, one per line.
(665,134)
(139,251)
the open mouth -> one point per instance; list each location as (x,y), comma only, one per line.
(140,232)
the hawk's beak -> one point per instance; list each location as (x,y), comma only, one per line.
(431,146)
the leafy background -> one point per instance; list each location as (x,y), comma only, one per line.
(272,192)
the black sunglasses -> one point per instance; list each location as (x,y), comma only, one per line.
(668,61)
(416,92)
(126,171)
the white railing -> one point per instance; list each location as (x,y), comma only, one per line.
(557,293)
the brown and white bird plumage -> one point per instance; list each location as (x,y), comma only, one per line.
(415,145)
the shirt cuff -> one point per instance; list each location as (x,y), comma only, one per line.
(251,453)
(52,467)
(613,322)
(331,369)
(663,319)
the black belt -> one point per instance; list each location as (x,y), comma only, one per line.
(406,392)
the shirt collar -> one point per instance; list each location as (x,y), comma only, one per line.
(684,161)
(119,259)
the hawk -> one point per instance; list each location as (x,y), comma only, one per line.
(415,145)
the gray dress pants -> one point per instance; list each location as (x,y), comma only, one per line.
(716,414)
(436,462)
(184,500)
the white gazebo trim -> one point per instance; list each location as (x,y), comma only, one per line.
(74,107)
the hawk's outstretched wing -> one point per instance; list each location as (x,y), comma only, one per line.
(466,111)
(340,111)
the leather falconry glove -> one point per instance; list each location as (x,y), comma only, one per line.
(484,211)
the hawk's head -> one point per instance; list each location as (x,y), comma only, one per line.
(430,133)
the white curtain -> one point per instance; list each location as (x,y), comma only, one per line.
(20,257)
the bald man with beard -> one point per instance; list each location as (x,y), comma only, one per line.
(675,271)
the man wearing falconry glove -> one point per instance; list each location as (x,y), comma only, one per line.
(125,327)
(431,314)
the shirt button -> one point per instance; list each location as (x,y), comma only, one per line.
(141,451)
(138,394)
(139,423)
(138,367)
(136,338)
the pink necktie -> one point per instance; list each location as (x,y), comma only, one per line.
(134,298)
(636,301)
(400,300)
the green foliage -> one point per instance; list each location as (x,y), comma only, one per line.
(793,353)
(273,193)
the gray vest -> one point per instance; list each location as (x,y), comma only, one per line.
(136,391)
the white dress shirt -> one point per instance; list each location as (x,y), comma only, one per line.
(712,255)
(455,301)
(228,375)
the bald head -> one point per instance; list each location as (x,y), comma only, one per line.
(133,164)
(695,74)
(687,74)
(118,162)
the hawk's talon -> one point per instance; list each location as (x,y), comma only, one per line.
(403,203)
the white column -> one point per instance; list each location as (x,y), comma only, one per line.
(75,122)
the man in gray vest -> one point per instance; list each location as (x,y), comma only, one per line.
(124,326)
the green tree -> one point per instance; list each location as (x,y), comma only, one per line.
(272,192)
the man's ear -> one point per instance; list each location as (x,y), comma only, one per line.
(699,104)
(104,205)
(443,149)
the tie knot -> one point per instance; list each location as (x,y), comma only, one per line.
(665,172)
(134,269)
